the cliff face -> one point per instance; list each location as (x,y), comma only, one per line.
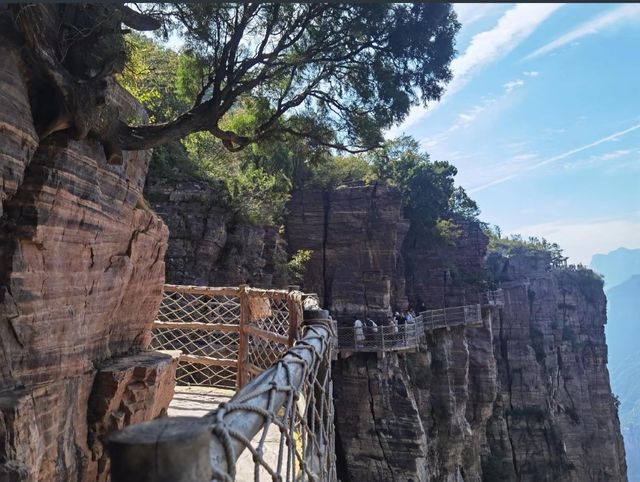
(81,274)
(524,397)
(365,257)
(355,235)
(555,393)
(207,245)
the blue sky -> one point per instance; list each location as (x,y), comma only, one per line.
(542,120)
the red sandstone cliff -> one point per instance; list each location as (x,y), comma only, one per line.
(81,274)
(524,397)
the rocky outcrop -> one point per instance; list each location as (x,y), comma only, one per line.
(558,417)
(19,138)
(208,246)
(355,234)
(524,397)
(81,274)
(126,391)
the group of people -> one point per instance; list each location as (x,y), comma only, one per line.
(369,328)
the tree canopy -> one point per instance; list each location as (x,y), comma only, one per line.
(427,186)
(335,74)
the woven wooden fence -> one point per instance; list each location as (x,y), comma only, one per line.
(227,335)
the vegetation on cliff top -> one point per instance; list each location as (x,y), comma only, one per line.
(534,247)
(517,244)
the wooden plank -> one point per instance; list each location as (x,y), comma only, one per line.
(202,290)
(274,294)
(292,308)
(210,361)
(174,325)
(243,347)
(266,335)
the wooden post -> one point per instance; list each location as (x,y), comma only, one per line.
(243,347)
(294,315)
(171,449)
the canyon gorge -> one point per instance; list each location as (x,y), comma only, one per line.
(87,243)
(524,397)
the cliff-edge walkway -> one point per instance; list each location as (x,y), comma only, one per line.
(407,336)
(264,356)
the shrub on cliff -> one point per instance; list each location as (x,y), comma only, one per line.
(531,246)
(427,186)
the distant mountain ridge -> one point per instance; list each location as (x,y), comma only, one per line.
(617,266)
(621,269)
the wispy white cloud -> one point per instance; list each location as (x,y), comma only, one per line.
(486,47)
(514,171)
(607,157)
(615,16)
(462,120)
(524,157)
(474,112)
(509,86)
(531,73)
(581,240)
(470,13)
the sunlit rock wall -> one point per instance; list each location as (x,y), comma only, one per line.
(81,275)
(524,397)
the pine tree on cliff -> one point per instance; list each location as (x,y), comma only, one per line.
(335,75)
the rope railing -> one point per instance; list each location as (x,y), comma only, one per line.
(226,335)
(290,402)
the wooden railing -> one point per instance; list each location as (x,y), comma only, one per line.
(227,335)
(289,405)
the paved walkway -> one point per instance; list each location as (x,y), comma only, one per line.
(197,401)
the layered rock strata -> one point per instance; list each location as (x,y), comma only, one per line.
(81,275)
(523,397)
(208,246)
(355,235)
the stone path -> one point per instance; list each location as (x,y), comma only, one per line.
(197,401)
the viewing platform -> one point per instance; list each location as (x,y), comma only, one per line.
(254,378)
(254,374)
(404,337)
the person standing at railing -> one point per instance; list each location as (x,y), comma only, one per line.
(358,332)
(399,319)
(373,325)
(393,329)
(410,328)
(393,324)
(401,322)
(371,328)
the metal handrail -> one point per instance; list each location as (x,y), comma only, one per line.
(381,338)
(493,298)
(452,316)
(405,336)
